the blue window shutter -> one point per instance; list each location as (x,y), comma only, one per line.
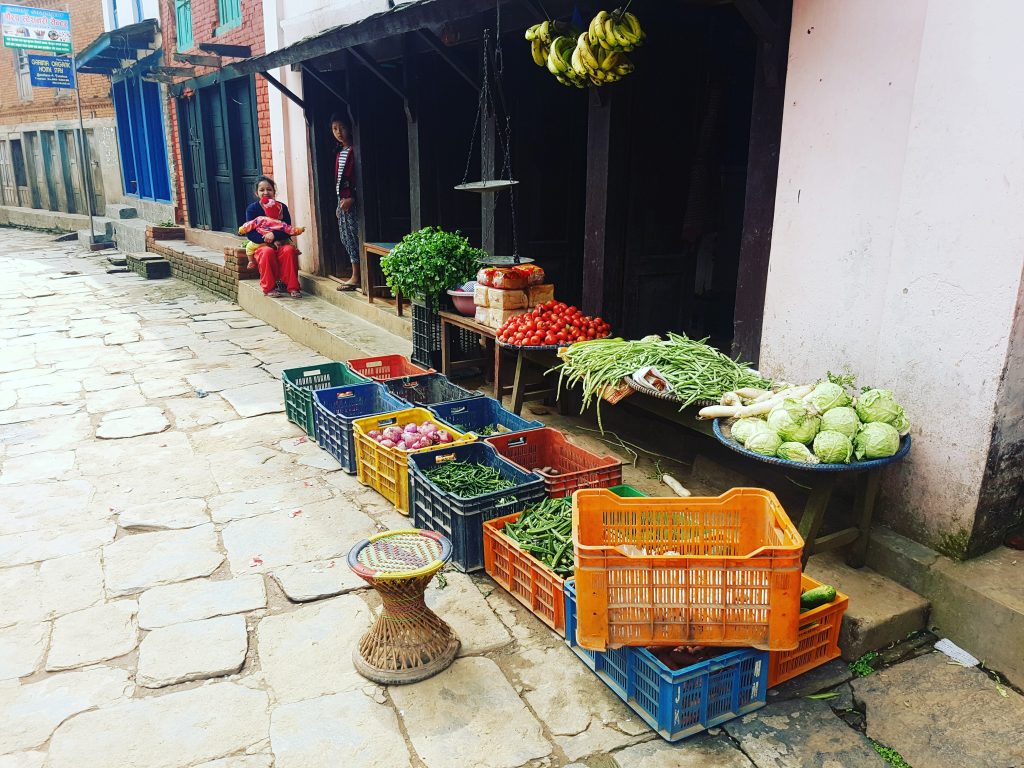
(229,13)
(183,17)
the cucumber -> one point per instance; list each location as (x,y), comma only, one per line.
(812,598)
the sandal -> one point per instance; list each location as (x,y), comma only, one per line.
(272,294)
(296,294)
(348,286)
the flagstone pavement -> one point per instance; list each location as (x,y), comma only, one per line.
(173,585)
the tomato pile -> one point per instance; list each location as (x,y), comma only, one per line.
(552,322)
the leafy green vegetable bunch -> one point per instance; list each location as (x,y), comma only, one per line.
(429,262)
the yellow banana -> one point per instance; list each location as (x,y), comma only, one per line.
(553,63)
(544,33)
(618,30)
(537,51)
(586,53)
(597,26)
(530,33)
(577,65)
(636,33)
(608,35)
(611,60)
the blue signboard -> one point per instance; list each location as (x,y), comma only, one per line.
(51,71)
(36,28)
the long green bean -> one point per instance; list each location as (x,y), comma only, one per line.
(544,530)
(467,479)
(695,370)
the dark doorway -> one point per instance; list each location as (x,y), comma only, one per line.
(221,144)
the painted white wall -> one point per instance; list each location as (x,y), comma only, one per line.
(286,22)
(898,239)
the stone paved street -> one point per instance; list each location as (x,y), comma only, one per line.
(174,594)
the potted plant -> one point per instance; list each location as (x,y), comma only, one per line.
(429,262)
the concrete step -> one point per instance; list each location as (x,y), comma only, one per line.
(380,314)
(881,611)
(321,325)
(196,251)
(214,241)
(978,604)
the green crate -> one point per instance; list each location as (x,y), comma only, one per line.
(626,491)
(300,383)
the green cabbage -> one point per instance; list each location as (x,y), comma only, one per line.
(902,423)
(744,428)
(793,421)
(876,441)
(833,447)
(878,405)
(843,419)
(764,441)
(796,452)
(827,396)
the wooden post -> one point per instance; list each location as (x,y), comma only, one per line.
(488,140)
(412,126)
(355,88)
(762,181)
(603,245)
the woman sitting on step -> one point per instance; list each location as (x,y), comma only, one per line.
(273,251)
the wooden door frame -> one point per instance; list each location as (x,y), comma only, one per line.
(187,159)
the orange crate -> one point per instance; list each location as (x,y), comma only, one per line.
(530,581)
(386,470)
(818,638)
(547,447)
(719,571)
(386,367)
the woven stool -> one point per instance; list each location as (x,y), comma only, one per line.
(408,642)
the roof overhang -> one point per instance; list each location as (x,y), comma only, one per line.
(118,48)
(402,18)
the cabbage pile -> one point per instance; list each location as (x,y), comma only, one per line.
(827,426)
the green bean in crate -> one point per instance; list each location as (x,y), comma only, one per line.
(300,383)
(544,530)
(467,479)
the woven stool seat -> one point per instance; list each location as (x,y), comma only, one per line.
(408,641)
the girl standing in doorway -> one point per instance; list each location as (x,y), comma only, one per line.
(344,178)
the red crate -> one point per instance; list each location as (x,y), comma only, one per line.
(386,367)
(530,581)
(547,447)
(818,638)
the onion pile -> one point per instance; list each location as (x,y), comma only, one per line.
(412,437)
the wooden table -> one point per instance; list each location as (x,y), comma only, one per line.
(521,389)
(820,484)
(372,273)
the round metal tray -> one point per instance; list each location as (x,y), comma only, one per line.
(853,466)
(646,389)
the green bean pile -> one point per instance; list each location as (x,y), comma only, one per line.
(545,531)
(695,370)
(466,479)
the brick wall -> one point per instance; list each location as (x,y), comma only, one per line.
(220,279)
(86,26)
(204,22)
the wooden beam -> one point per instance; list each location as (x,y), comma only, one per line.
(410,79)
(231,51)
(759,204)
(367,61)
(175,71)
(313,73)
(758,19)
(435,43)
(198,59)
(154,77)
(285,90)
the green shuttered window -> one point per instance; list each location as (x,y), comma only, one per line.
(229,14)
(183,17)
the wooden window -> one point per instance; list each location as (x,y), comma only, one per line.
(183,17)
(229,15)
(24,78)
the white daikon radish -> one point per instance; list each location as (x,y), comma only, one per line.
(718,412)
(672,483)
(749,393)
(731,398)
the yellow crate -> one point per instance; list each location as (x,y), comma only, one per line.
(386,470)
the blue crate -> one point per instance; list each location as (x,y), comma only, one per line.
(428,389)
(676,703)
(461,518)
(335,409)
(479,412)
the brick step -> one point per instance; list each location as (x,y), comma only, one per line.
(149,266)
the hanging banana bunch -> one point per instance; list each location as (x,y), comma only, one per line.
(594,57)
(616,31)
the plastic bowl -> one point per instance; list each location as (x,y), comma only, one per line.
(463,299)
